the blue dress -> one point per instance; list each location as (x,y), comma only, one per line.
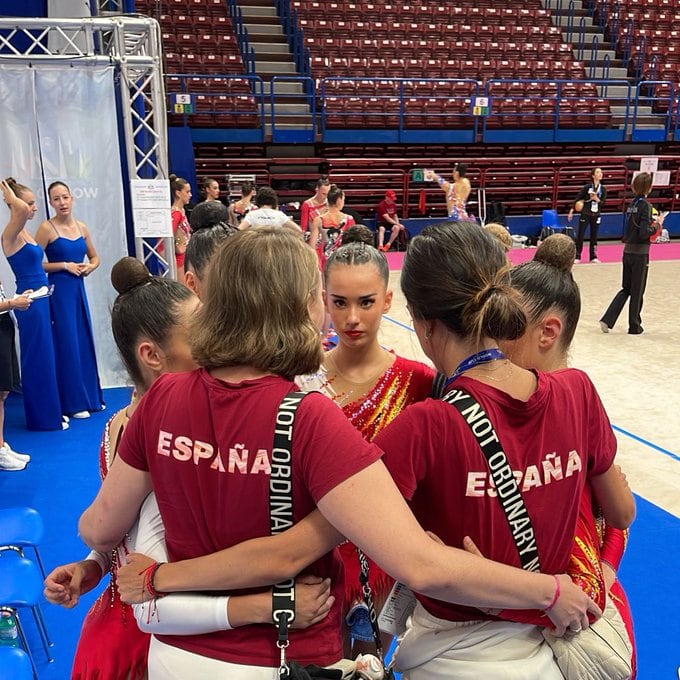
(38,366)
(77,374)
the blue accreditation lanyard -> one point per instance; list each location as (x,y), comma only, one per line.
(482,357)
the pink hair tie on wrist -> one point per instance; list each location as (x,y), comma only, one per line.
(556,596)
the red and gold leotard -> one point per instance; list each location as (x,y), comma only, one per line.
(111,646)
(404,382)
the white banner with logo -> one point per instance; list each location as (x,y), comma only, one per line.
(59,123)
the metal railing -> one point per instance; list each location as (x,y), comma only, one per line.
(394,103)
(241,30)
(660,96)
(295,36)
(217,102)
(293,126)
(581,40)
(400,110)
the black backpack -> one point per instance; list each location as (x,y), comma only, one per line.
(545,232)
(496,213)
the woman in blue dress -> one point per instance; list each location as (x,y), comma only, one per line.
(42,405)
(66,243)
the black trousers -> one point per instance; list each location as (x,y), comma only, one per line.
(584,220)
(635,267)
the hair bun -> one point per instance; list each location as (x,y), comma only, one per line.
(11,180)
(128,273)
(558,250)
(172,177)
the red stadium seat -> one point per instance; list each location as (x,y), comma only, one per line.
(374,112)
(334,109)
(354,113)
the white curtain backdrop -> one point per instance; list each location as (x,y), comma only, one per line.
(59,123)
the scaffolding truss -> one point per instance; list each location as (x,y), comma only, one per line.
(133,45)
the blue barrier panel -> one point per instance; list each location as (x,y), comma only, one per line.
(397,110)
(555,110)
(659,95)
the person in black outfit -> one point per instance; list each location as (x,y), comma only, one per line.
(593,194)
(639,228)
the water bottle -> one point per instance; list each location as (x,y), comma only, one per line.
(9,636)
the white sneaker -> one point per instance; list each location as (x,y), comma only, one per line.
(80,415)
(369,667)
(65,419)
(64,425)
(15,454)
(577,261)
(595,261)
(603,327)
(8,462)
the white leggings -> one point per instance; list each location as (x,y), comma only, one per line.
(171,663)
(436,649)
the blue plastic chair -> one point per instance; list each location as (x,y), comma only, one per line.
(21,586)
(22,528)
(15,664)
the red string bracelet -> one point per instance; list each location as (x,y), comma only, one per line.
(556,596)
(149,575)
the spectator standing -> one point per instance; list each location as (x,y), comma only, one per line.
(181,195)
(387,218)
(314,207)
(211,189)
(9,375)
(593,194)
(42,404)
(639,229)
(71,256)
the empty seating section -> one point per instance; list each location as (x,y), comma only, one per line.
(463,49)
(198,37)
(647,33)
(384,65)
(460,50)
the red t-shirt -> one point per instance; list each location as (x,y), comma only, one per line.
(553,442)
(385,208)
(207,445)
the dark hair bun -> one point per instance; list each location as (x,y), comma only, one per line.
(172,178)
(207,214)
(11,180)
(128,273)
